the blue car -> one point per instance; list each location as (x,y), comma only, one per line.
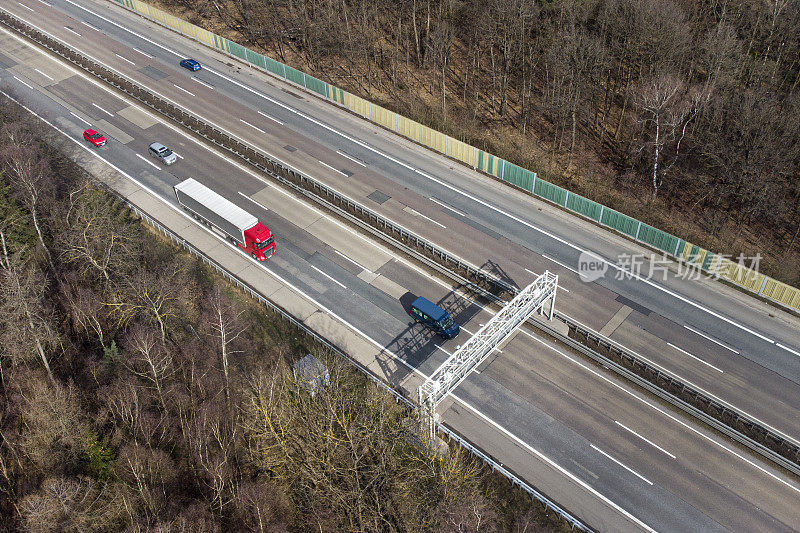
(191,64)
(433,316)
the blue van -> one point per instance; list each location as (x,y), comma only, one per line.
(433,316)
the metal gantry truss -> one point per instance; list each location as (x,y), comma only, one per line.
(471,354)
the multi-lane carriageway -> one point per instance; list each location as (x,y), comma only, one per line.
(649,467)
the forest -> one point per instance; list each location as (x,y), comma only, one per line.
(140,392)
(681,113)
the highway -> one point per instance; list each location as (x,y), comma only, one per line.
(736,349)
(651,463)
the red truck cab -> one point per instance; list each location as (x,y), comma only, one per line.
(259,241)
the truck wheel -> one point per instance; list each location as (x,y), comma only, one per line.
(253,255)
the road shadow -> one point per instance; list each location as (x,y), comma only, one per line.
(499,272)
(417,343)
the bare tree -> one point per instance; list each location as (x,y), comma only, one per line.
(86,309)
(226,329)
(664,110)
(29,174)
(26,320)
(260,506)
(70,504)
(149,359)
(51,427)
(159,294)
(151,475)
(94,234)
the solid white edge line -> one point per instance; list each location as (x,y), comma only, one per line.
(246,257)
(269,117)
(321,162)
(460,192)
(254,127)
(238,165)
(629,469)
(665,413)
(43,74)
(201,82)
(556,261)
(779,345)
(695,357)
(184,90)
(342,285)
(485,204)
(444,184)
(364,238)
(410,265)
(712,339)
(259,204)
(359,265)
(26,7)
(143,158)
(648,441)
(437,280)
(103,110)
(553,464)
(79,118)
(351,158)
(366,337)
(453,209)
(125,59)
(73,31)
(687,382)
(23,83)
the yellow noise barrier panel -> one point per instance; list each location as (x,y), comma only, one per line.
(408,127)
(382,116)
(460,150)
(358,105)
(433,139)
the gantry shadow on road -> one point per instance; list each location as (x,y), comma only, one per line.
(498,272)
(417,344)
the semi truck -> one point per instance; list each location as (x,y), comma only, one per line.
(218,213)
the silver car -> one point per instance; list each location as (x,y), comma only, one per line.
(162,153)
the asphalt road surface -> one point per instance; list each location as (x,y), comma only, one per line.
(663,471)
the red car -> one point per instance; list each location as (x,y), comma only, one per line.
(94,137)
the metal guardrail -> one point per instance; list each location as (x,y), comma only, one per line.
(451,434)
(658,377)
(379,226)
(780,450)
(332,348)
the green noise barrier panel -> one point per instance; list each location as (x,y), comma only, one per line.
(294,75)
(255,59)
(707,260)
(551,192)
(657,238)
(318,86)
(519,176)
(274,66)
(490,164)
(236,50)
(618,221)
(584,206)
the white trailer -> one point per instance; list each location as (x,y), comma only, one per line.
(215,210)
